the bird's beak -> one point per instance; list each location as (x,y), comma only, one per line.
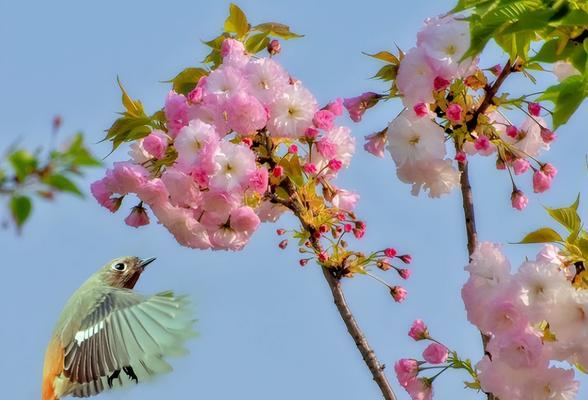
(146,262)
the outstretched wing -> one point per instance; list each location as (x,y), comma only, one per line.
(125,338)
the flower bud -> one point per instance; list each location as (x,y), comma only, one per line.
(283,244)
(274,47)
(398,293)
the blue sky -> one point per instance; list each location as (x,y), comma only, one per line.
(268,328)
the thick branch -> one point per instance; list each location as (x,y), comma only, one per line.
(369,357)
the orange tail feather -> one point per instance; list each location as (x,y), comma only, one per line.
(52,368)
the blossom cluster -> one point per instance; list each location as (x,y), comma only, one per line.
(442,91)
(206,175)
(533,316)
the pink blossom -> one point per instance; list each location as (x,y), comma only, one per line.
(440,83)
(244,219)
(547,135)
(103,195)
(415,77)
(292,112)
(311,133)
(376,143)
(293,149)
(183,225)
(153,192)
(259,181)
(406,370)
(345,200)
(421,109)
(418,330)
(541,181)
(156,144)
(390,252)
(323,119)
(520,166)
(138,217)
(435,353)
(534,109)
(519,200)
(196,95)
(183,191)
(245,114)
(420,389)
(233,53)
(356,106)
(225,81)
(266,79)
(176,112)
(278,171)
(519,349)
(454,112)
(336,107)
(496,69)
(127,177)
(398,293)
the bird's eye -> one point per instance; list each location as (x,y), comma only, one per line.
(119,266)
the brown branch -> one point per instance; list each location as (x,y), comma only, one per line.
(369,357)
(466,188)
(333,277)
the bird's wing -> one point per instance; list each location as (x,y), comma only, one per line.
(125,338)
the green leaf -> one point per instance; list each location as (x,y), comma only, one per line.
(566,97)
(385,56)
(542,235)
(62,183)
(387,72)
(256,43)
(78,154)
(23,163)
(20,207)
(236,22)
(186,80)
(134,107)
(276,29)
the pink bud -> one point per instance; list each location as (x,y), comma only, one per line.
(421,109)
(418,330)
(512,131)
(406,371)
(454,112)
(336,107)
(435,353)
(278,171)
(311,133)
(404,273)
(293,149)
(500,164)
(541,181)
(534,109)
(356,106)
(309,168)
(482,143)
(406,258)
(280,231)
(461,157)
(398,293)
(323,257)
(283,244)
(549,170)
(375,143)
(323,228)
(496,70)
(358,233)
(390,252)
(440,83)
(518,200)
(347,228)
(274,47)
(303,262)
(155,144)
(335,165)
(247,141)
(520,166)
(195,95)
(57,121)
(323,119)
(547,135)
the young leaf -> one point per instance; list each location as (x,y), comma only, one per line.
(276,29)
(62,183)
(187,79)
(567,216)
(236,22)
(134,107)
(542,235)
(384,56)
(567,97)
(23,163)
(20,207)
(256,43)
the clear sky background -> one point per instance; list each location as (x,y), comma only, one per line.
(268,328)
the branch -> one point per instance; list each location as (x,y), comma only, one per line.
(466,188)
(369,357)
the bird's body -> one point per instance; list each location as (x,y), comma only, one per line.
(109,335)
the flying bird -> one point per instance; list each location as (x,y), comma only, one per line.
(109,335)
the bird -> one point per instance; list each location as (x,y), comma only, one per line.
(109,336)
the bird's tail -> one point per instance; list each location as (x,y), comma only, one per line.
(52,369)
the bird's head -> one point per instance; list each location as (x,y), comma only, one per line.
(124,272)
